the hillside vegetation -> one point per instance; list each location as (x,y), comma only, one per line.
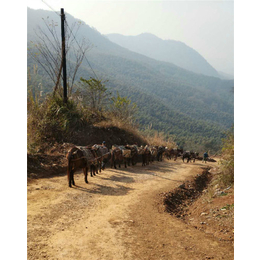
(194,110)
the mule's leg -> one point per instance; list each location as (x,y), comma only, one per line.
(72,178)
(96,166)
(68,175)
(91,170)
(99,167)
(103,165)
(86,174)
(69,178)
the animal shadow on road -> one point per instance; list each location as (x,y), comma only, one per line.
(151,169)
(119,190)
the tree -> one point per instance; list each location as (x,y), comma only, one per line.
(94,93)
(123,108)
(47,52)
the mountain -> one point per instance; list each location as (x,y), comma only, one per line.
(197,109)
(224,75)
(175,52)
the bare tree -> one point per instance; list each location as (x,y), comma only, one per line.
(47,49)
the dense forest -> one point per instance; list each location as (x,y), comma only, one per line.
(194,109)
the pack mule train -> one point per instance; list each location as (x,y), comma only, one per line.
(94,158)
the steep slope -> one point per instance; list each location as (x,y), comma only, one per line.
(175,52)
(173,100)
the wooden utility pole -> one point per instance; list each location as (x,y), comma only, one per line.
(65,98)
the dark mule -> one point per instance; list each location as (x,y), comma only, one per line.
(167,153)
(160,152)
(187,155)
(194,156)
(76,160)
(175,153)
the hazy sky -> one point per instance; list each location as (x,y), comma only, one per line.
(206,26)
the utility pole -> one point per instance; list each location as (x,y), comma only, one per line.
(65,98)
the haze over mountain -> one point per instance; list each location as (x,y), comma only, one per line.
(195,108)
(175,52)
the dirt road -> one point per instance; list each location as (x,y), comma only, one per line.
(118,215)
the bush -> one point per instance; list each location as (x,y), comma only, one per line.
(227,161)
(50,120)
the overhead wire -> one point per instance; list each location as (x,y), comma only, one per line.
(50,7)
(82,51)
(74,38)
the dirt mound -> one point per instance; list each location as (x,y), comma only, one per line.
(51,161)
(208,209)
(112,135)
(177,201)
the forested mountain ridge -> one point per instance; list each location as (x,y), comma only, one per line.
(171,99)
(175,52)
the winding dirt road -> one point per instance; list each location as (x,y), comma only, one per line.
(118,215)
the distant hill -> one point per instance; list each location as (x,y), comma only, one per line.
(175,52)
(197,109)
(224,75)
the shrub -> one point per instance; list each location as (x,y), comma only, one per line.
(51,120)
(227,161)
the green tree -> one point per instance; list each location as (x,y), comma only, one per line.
(94,93)
(123,108)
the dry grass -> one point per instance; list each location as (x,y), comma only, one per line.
(159,139)
(128,127)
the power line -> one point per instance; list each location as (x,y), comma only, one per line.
(82,51)
(51,8)
(74,39)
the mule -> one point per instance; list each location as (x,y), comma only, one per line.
(145,153)
(102,155)
(194,155)
(175,152)
(160,152)
(117,156)
(153,151)
(76,161)
(134,153)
